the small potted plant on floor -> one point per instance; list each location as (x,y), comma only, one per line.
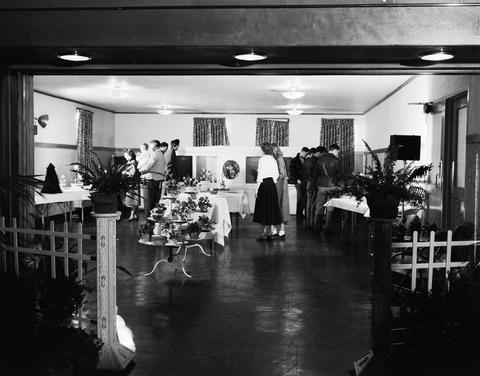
(384,186)
(106,184)
(85,349)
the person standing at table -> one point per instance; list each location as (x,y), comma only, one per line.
(331,165)
(267,211)
(154,175)
(171,160)
(308,177)
(295,177)
(323,185)
(132,199)
(282,191)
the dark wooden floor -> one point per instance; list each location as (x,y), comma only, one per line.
(298,307)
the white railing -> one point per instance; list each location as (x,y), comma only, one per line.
(11,235)
(411,263)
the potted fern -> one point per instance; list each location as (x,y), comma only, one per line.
(106,184)
(384,186)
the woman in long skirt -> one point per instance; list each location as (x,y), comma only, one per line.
(282,191)
(267,211)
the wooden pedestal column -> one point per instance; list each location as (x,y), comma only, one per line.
(381,245)
(114,355)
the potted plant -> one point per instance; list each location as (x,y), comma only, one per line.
(85,349)
(171,186)
(106,184)
(193,230)
(203,204)
(384,186)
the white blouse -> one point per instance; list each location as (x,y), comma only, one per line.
(267,168)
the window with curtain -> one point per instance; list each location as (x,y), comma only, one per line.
(210,132)
(272,130)
(84,136)
(340,132)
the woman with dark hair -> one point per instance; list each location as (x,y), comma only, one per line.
(267,211)
(132,198)
(282,191)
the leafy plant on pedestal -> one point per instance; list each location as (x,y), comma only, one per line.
(106,183)
(384,186)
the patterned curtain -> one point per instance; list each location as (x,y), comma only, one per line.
(210,132)
(340,132)
(84,136)
(269,130)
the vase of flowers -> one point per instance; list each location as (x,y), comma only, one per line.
(384,186)
(203,204)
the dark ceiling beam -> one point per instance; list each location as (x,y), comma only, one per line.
(374,26)
(156,4)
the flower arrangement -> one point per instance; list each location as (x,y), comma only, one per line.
(203,204)
(171,186)
(184,208)
(383,180)
(205,223)
(193,230)
(206,175)
(189,181)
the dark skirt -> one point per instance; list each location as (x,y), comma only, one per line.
(267,210)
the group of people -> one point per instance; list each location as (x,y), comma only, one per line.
(156,163)
(314,172)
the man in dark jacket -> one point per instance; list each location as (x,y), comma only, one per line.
(295,176)
(330,165)
(309,181)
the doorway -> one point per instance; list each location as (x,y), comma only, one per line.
(454,157)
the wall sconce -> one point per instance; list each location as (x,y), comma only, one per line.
(42,121)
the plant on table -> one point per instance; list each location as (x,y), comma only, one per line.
(205,223)
(189,181)
(183,209)
(206,175)
(193,230)
(203,204)
(384,186)
(171,186)
(107,183)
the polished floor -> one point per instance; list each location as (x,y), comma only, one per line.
(298,307)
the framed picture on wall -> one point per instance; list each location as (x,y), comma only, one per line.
(184,166)
(251,167)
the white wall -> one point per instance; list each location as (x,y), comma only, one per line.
(396,116)
(60,135)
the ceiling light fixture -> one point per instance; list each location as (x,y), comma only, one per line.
(164,110)
(251,56)
(118,93)
(437,55)
(74,57)
(294,111)
(293,94)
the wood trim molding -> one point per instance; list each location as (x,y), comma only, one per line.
(51,145)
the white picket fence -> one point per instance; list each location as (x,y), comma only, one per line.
(410,262)
(12,232)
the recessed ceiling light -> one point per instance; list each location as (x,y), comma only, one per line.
(293,94)
(74,57)
(252,56)
(118,93)
(437,56)
(294,111)
(164,110)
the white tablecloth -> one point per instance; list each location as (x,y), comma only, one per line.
(69,194)
(237,202)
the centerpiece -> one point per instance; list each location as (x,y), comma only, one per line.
(203,204)
(107,183)
(384,186)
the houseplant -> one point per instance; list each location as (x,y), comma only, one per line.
(204,204)
(384,186)
(85,348)
(106,184)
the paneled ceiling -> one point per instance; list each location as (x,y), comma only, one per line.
(239,94)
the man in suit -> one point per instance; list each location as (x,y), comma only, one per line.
(309,181)
(322,183)
(295,177)
(171,160)
(331,166)
(153,172)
